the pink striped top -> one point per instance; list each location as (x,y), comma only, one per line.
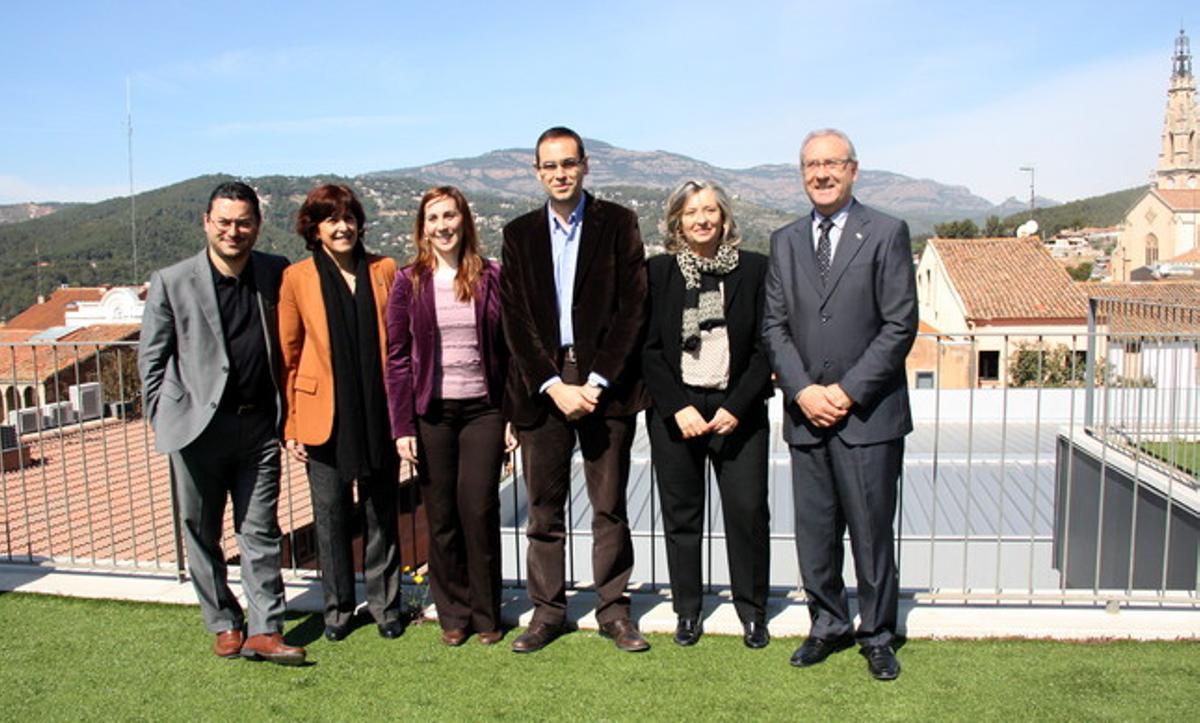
(460,373)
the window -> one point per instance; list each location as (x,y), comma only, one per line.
(1151,249)
(989,365)
(925,380)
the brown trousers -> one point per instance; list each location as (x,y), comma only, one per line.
(546,452)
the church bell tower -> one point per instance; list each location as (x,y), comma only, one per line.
(1179,158)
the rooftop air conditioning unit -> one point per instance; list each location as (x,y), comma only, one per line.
(85,398)
(26,420)
(58,414)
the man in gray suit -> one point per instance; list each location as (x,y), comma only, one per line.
(207,358)
(840,317)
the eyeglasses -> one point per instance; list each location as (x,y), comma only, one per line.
(227,224)
(567,164)
(828,164)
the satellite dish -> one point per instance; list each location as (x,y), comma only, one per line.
(1029,228)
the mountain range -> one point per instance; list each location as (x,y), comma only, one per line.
(45,245)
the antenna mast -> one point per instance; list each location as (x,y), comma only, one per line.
(132,201)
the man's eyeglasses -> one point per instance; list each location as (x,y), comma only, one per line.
(567,164)
(228,224)
(828,164)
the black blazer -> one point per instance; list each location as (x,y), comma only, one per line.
(608,309)
(749,370)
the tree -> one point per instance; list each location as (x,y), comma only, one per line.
(994,227)
(1082,272)
(1037,364)
(966,228)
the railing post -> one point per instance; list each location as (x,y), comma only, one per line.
(1089,371)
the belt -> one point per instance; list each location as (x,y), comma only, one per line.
(568,354)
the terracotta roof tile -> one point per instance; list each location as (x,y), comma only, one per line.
(38,363)
(1147,307)
(1009,278)
(52,312)
(1180,199)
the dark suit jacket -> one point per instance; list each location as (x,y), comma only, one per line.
(749,371)
(855,330)
(608,310)
(304,342)
(182,356)
(412,333)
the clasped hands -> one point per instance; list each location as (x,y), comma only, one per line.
(824,405)
(574,400)
(692,423)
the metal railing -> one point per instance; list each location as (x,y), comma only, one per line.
(1040,480)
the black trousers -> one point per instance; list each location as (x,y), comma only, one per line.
(740,463)
(834,486)
(461,450)
(333,510)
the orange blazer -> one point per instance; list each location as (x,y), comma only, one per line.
(304,338)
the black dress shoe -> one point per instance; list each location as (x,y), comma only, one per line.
(881,661)
(538,636)
(815,650)
(756,635)
(688,631)
(625,635)
(392,629)
(334,633)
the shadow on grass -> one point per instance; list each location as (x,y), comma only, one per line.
(307,631)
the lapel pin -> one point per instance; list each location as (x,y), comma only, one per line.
(858,235)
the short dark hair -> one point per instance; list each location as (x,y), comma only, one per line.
(331,200)
(236,191)
(558,132)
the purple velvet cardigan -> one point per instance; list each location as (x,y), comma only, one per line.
(413,345)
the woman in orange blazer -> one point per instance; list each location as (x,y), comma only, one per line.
(334,347)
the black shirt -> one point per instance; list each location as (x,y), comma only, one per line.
(249,379)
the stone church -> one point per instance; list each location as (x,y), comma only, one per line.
(1160,236)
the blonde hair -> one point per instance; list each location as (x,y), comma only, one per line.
(675,239)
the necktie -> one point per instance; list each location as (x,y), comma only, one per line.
(824,249)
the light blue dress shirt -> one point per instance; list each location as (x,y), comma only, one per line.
(564,250)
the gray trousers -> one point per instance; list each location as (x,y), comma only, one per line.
(333,510)
(235,457)
(837,486)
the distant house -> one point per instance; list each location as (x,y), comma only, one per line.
(67,339)
(995,296)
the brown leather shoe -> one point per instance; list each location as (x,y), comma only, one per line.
(490,637)
(229,643)
(625,635)
(454,637)
(271,647)
(538,636)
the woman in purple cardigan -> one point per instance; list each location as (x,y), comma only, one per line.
(445,377)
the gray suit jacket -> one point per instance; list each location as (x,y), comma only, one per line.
(182,354)
(856,329)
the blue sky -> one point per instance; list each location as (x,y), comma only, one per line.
(960,92)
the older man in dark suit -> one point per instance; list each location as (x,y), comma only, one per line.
(208,359)
(573,290)
(840,318)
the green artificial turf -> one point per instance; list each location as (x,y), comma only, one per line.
(70,659)
(1184,455)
